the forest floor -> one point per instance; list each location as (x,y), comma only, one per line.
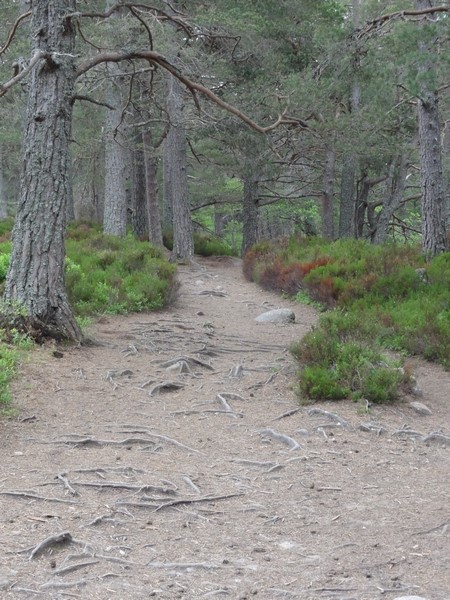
(173,460)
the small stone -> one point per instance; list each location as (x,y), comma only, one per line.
(280,315)
(420,408)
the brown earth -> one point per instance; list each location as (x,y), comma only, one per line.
(115,487)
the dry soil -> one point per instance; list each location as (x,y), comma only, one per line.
(173,460)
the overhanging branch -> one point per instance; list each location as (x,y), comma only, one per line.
(34,60)
(155,58)
(401,14)
(13,31)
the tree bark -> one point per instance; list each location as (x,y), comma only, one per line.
(3,199)
(177,184)
(347,203)
(395,189)
(328,195)
(115,203)
(151,188)
(250,212)
(35,280)
(348,209)
(434,235)
(139,217)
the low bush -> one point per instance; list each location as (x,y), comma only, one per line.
(204,245)
(116,275)
(384,297)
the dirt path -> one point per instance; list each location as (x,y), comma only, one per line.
(138,490)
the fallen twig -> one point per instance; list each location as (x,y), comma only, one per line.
(437,436)
(32,496)
(445,527)
(408,431)
(170,503)
(280,437)
(227,408)
(289,413)
(125,486)
(92,441)
(215,293)
(201,412)
(60,538)
(62,477)
(333,416)
(190,483)
(75,567)
(187,359)
(64,584)
(256,463)
(162,565)
(167,386)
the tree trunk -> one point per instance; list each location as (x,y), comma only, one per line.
(250,213)
(328,195)
(347,203)
(395,189)
(177,185)
(434,236)
(3,199)
(35,280)
(139,217)
(348,209)
(115,203)
(151,188)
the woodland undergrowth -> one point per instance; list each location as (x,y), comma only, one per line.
(374,298)
(104,275)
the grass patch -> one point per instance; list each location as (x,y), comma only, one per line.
(12,344)
(384,297)
(108,274)
(204,245)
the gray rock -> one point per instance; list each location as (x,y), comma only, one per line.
(420,409)
(280,315)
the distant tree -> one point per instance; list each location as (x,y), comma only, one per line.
(35,281)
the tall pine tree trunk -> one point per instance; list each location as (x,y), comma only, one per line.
(348,209)
(250,212)
(115,203)
(3,199)
(176,171)
(35,279)
(395,189)
(434,236)
(151,188)
(328,195)
(139,217)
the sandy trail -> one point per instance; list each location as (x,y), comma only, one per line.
(174,461)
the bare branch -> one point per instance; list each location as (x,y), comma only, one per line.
(158,59)
(88,99)
(136,5)
(13,31)
(401,14)
(34,60)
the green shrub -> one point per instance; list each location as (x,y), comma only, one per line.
(209,245)
(4,265)
(382,385)
(107,274)
(204,245)
(320,383)
(383,295)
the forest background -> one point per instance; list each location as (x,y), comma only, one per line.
(246,121)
